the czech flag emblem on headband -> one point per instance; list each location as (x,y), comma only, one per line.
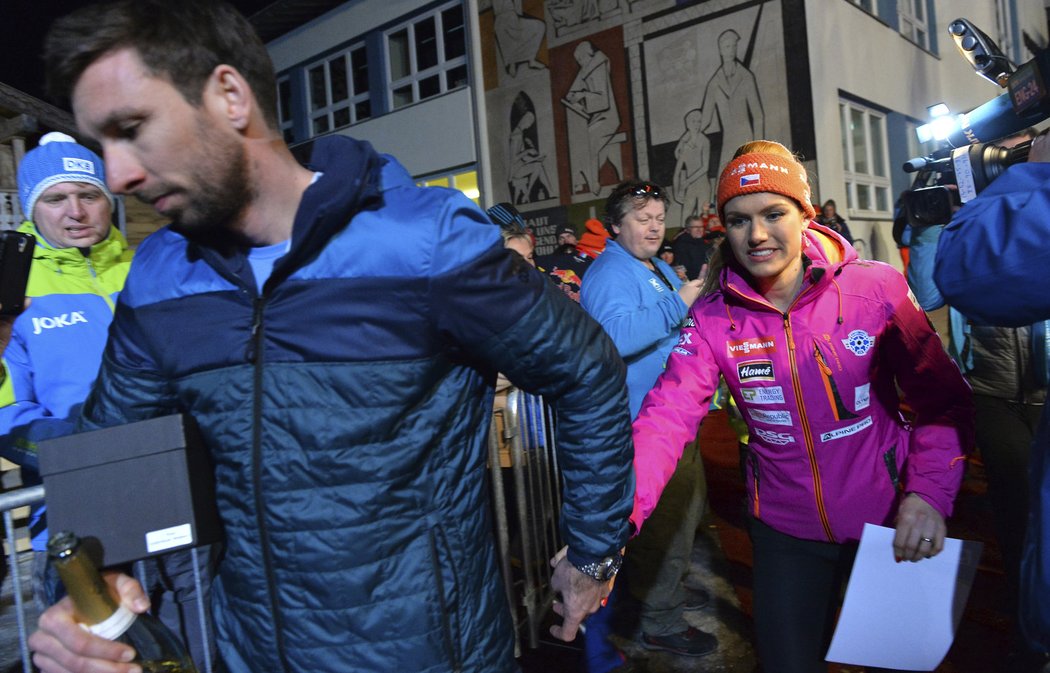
(748,180)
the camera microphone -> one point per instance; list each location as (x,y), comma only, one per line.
(932,163)
(991,121)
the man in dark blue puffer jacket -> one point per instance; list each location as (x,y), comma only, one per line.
(344,393)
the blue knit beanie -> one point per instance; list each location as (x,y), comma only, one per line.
(58,158)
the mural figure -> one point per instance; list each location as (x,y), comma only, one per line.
(692,159)
(594,122)
(528,180)
(518,36)
(567,15)
(731,102)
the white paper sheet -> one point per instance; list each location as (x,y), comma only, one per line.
(902,615)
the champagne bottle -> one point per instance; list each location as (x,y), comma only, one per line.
(157,648)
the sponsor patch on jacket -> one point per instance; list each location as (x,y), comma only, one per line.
(846,431)
(64,320)
(770,395)
(755,370)
(656,285)
(774,437)
(745,347)
(859,342)
(862,396)
(771,417)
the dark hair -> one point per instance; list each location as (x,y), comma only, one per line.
(630,194)
(182,41)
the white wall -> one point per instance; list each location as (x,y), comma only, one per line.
(853,52)
(432,136)
(348,21)
(428,137)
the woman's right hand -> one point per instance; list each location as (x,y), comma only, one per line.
(61,645)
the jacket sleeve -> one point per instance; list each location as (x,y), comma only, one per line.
(634,328)
(509,318)
(938,394)
(24,420)
(129,387)
(670,417)
(993,252)
(920,267)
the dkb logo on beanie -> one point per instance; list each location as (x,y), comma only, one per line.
(58,158)
(79,165)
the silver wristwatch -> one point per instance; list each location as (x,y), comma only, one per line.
(603,570)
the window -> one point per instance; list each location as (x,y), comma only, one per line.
(867,5)
(337,91)
(865,159)
(427,57)
(466,182)
(913,24)
(285,122)
(1006,16)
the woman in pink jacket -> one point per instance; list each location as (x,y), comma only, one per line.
(815,345)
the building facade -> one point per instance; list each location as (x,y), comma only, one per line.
(548,105)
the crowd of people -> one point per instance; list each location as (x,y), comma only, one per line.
(348,416)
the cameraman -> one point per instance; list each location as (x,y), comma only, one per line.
(991,264)
(1006,368)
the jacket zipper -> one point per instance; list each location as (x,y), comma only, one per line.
(98,286)
(255,356)
(838,408)
(818,491)
(754,475)
(446,623)
(796,384)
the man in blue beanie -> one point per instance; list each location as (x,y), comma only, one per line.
(80,263)
(79,266)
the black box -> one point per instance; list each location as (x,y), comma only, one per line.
(136,490)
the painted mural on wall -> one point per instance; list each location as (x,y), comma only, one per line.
(518,37)
(564,91)
(590,114)
(713,83)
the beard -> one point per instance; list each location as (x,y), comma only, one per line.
(220,188)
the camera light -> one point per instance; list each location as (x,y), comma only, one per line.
(939,129)
(937,110)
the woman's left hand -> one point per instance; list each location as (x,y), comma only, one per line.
(920,530)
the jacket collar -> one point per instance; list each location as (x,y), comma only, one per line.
(350,183)
(103,254)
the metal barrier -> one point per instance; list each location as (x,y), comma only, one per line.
(9,502)
(523,464)
(32,495)
(523,460)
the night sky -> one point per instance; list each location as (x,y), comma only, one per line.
(26,23)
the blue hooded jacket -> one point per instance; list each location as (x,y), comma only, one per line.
(347,410)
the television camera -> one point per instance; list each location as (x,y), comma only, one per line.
(970,159)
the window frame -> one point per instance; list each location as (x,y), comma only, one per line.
(869,6)
(441,69)
(910,23)
(286,126)
(871,180)
(352,100)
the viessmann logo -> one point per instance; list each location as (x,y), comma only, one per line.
(757,370)
(739,349)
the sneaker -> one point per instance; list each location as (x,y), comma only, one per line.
(689,643)
(695,599)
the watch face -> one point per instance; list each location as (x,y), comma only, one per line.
(608,567)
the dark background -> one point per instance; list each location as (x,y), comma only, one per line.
(26,23)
